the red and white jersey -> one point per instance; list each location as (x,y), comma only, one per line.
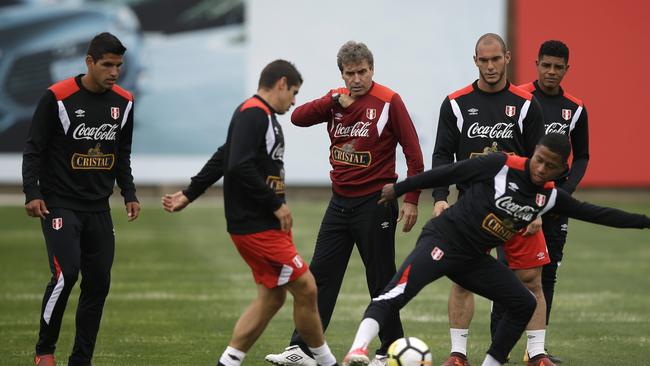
(363,138)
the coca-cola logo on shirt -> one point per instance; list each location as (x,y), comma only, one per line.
(106,131)
(523,212)
(500,130)
(359,129)
(556,127)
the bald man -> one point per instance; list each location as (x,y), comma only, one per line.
(486,116)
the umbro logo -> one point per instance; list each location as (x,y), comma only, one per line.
(564,227)
(294,357)
(385,225)
(80,113)
(513,186)
(473,111)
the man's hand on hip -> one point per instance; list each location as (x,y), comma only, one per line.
(284,215)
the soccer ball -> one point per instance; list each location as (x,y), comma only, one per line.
(409,351)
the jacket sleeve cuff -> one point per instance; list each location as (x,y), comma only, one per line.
(129,196)
(276,203)
(32,194)
(191,193)
(440,195)
(401,188)
(412,197)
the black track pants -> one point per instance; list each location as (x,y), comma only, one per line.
(555,231)
(77,242)
(350,221)
(432,258)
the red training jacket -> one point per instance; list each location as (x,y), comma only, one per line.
(363,139)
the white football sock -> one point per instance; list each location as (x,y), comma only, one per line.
(459,340)
(535,342)
(232,357)
(323,355)
(490,361)
(368,330)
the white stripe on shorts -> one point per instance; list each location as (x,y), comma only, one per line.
(285,274)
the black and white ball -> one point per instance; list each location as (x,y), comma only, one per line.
(409,351)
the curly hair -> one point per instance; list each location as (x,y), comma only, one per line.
(554,48)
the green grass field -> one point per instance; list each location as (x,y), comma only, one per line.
(179,286)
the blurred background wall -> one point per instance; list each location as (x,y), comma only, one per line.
(191,62)
(608,41)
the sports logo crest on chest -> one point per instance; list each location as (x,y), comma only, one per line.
(511,110)
(566,114)
(115,113)
(371,113)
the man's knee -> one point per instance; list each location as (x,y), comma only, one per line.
(273,299)
(304,288)
(549,274)
(96,283)
(523,306)
(69,275)
(531,278)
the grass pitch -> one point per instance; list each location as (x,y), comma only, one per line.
(179,285)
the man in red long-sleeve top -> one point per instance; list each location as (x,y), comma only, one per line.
(365,122)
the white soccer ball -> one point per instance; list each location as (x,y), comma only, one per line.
(409,351)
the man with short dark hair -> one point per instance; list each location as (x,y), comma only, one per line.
(365,121)
(456,244)
(79,144)
(565,114)
(258,219)
(491,115)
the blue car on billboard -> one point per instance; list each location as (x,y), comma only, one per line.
(41,44)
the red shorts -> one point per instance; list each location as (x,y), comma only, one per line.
(523,252)
(272,257)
